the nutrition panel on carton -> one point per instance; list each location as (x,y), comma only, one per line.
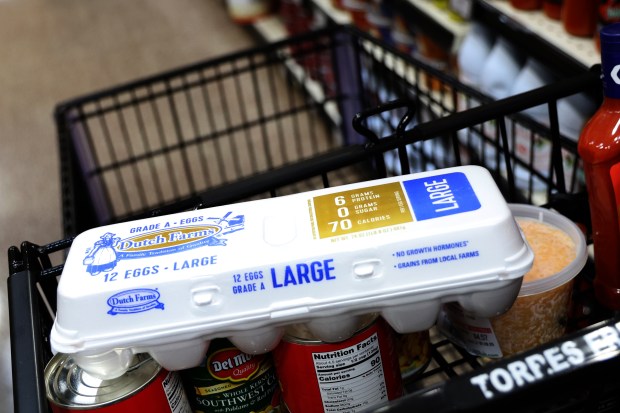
(396,246)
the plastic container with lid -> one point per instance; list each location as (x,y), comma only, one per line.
(396,246)
(559,256)
(540,312)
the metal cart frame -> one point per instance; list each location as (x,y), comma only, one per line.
(385,112)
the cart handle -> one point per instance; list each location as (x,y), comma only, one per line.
(361,128)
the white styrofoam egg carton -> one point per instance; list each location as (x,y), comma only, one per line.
(398,246)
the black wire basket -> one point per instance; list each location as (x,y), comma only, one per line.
(325,108)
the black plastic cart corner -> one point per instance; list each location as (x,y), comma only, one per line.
(327,108)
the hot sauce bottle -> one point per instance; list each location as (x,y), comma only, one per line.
(599,148)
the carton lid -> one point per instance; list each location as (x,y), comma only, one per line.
(397,246)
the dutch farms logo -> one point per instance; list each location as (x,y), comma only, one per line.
(233,365)
(110,248)
(168,240)
(134,301)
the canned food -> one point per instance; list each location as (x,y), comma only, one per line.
(414,353)
(351,375)
(145,387)
(230,380)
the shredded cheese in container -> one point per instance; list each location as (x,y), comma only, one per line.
(535,319)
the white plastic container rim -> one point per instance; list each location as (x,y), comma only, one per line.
(561,222)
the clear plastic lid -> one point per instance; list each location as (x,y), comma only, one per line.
(564,224)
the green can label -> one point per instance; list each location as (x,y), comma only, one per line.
(230,380)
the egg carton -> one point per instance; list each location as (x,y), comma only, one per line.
(400,247)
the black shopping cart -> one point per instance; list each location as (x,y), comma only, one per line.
(325,108)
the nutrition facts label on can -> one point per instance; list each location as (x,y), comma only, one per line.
(351,379)
(175,394)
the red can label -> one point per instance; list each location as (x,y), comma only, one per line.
(353,375)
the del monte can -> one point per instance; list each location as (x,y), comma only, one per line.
(230,380)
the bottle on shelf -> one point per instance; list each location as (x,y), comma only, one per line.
(573,113)
(608,12)
(599,149)
(338,4)
(434,54)
(500,69)
(526,4)
(473,52)
(552,9)
(579,17)
(495,79)
(379,17)
(442,4)
(403,35)
(358,10)
(461,8)
(295,16)
(534,150)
